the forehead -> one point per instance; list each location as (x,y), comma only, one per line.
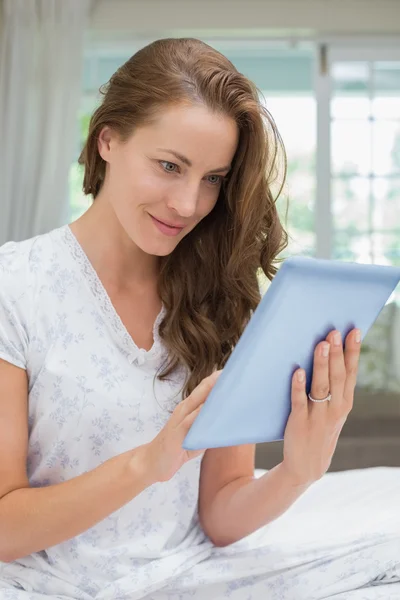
(195,132)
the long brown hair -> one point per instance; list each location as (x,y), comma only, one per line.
(209,284)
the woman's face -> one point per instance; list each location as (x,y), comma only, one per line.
(167,177)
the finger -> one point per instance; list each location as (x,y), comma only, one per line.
(351,360)
(337,368)
(299,396)
(320,386)
(198,396)
(190,419)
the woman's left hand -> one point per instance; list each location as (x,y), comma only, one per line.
(313,429)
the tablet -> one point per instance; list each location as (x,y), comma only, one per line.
(308,297)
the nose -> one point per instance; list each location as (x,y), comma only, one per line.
(183,200)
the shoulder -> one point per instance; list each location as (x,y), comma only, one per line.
(15,273)
(20,269)
(21,261)
(14,257)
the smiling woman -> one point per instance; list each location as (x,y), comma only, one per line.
(217,197)
(110,330)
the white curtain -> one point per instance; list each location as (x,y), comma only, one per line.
(41,58)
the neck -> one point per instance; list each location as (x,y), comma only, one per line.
(113,255)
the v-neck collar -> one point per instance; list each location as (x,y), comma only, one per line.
(104,303)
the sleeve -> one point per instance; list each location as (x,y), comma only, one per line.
(14,308)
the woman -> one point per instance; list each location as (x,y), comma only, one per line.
(113,331)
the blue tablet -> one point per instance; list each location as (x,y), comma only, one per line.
(308,297)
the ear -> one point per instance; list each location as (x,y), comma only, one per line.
(105,143)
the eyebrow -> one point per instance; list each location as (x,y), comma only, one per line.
(187,162)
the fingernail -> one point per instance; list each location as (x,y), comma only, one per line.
(337,338)
(325,350)
(358,336)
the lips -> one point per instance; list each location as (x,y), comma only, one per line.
(166,228)
(168,224)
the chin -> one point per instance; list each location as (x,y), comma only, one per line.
(157,248)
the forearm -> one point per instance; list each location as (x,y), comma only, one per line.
(32,519)
(245,505)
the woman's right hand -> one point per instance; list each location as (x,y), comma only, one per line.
(164,455)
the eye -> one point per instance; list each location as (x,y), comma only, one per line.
(166,162)
(219,179)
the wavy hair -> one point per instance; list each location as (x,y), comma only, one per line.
(209,284)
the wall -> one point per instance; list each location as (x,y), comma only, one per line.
(304,17)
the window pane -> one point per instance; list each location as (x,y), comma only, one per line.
(350,246)
(350,204)
(295,117)
(386,107)
(386,194)
(388,247)
(350,107)
(386,76)
(386,104)
(354,247)
(386,147)
(350,76)
(351,148)
(376,248)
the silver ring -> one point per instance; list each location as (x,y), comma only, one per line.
(327,399)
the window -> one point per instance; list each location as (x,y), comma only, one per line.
(365,126)
(295,118)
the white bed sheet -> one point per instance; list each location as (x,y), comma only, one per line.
(340,540)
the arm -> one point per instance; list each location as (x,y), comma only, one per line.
(32,519)
(35,518)
(38,518)
(233,508)
(232,503)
